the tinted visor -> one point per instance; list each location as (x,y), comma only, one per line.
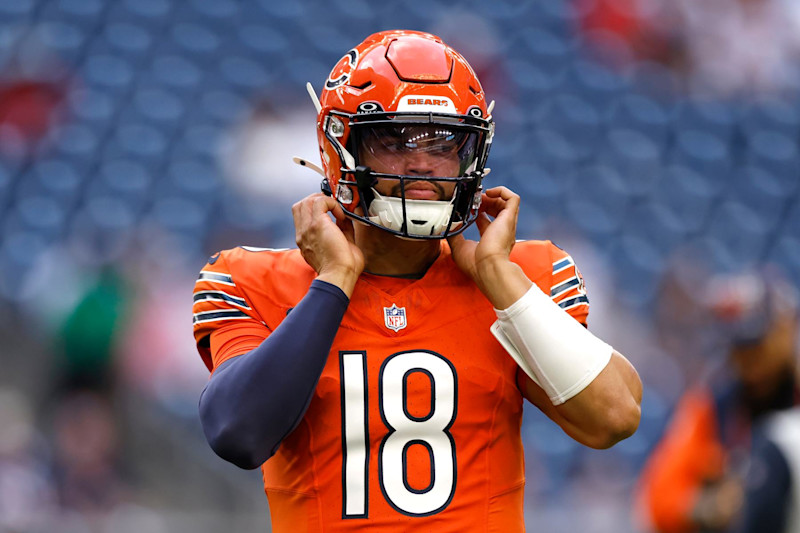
(416,149)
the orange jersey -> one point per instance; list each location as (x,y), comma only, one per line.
(415,421)
(689,455)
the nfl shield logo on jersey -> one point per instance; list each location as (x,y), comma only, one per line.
(395,317)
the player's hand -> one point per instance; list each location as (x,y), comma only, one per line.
(327,244)
(487,261)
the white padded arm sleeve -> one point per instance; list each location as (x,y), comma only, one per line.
(553,348)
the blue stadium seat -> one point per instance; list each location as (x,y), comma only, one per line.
(595,82)
(573,118)
(596,201)
(656,223)
(553,150)
(176,71)
(776,114)
(91,106)
(18,12)
(196,40)
(535,82)
(7,179)
(102,229)
(703,152)
(125,180)
(354,10)
(710,116)
(19,253)
(263,40)
(245,73)
(737,236)
(761,191)
(87,13)
(109,72)
(75,140)
(137,140)
(178,214)
(282,9)
(655,79)
(190,179)
(777,153)
(60,178)
(128,39)
(635,156)
(67,40)
(638,265)
(218,10)
(545,49)
(221,106)
(785,251)
(159,106)
(153,12)
(689,195)
(198,140)
(44,215)
(642,114)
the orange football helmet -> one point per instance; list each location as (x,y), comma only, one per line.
(396,96)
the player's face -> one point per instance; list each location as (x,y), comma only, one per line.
(424,151)
(762,366)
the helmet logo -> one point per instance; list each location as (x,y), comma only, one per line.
(425,104)
(394,317)
(369,107)
(342,71)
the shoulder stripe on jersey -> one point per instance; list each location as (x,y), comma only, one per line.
(212,316)
(258,249)
(572,302)
(562,264)
(219,296)
(564,287)
(205,275)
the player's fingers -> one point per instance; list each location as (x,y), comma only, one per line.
(500,199)
(456,242)
(482,222)
(346,226)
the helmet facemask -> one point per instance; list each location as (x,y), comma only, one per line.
(416,176)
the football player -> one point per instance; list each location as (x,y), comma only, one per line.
(376,374)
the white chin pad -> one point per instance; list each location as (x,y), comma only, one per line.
(425,217)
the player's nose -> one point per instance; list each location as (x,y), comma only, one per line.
(419,163)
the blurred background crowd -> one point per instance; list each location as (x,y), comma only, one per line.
(658,141)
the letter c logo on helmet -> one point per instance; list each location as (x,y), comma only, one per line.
(341,72)
(408,88)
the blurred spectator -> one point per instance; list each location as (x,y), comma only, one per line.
(623,31)
(720,47)
(743,47)
(772,500)
(34,84)
(87,470)
(27,499)
(257,156)
(89,333)
(693,480)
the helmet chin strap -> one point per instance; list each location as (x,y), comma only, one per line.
(425,217)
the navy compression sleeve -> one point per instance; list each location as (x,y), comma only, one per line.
(253,401)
